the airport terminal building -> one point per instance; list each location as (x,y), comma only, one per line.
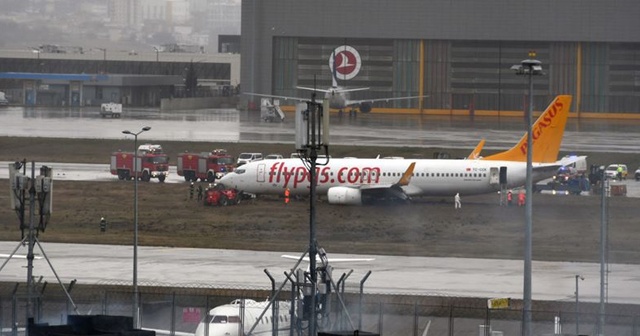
(456,53)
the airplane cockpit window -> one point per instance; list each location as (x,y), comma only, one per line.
(223,319)
(219,319)
(239,171)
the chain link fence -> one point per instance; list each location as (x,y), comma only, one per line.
(173,311)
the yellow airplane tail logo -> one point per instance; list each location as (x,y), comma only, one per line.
(546,133)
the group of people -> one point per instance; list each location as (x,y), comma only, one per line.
(199,190)
(522,197)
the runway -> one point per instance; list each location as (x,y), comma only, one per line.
(454,277)
(230,125)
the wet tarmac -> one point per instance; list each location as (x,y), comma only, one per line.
(458,277)
(230,125)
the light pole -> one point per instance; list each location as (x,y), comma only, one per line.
(529,67)
(578,277)
(104,59)
(157,54)
(136,305)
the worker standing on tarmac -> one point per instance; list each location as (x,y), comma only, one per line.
(103,225)
(521,198)
(191,191)
(200,191)
(287,195)
(509,198)
(456,198)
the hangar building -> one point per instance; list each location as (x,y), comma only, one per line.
(457,53)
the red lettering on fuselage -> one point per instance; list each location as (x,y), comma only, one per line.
(541,125)
(297,176)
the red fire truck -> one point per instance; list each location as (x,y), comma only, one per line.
(152,163)
(206,166)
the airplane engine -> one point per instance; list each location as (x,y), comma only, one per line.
(344,195)
(365,107)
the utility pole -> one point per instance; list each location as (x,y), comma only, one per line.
(312,135)
(40,198)
(528,67)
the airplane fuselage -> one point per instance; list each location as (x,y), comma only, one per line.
(337,98)
(227,320)
(429,178)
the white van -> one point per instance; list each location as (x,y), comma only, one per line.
(248,157)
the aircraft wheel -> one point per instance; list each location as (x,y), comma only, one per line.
(223,200)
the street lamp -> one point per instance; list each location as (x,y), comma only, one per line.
(157,53)
(104,59)
(578,277)
(136,305)
(528,67)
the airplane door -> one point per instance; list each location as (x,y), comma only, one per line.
(261,172)
(494,175)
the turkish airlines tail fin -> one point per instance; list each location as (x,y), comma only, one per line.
(547,134)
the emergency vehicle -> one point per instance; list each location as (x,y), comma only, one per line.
(206,166)
(152,163)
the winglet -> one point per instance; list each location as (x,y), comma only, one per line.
(475,153)
(547,134)
(406,177)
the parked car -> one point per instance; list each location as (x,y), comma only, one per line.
(638,174)
(248,157)
(611,172)
(273,157)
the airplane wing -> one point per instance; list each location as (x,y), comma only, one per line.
(394,190)
(298,99)
(359,101)
(311,89)
(550,169)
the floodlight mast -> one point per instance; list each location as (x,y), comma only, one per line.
(528,67)
(312,131)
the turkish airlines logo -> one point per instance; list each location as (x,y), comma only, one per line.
(345,62)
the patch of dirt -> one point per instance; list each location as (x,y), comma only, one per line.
(564,227)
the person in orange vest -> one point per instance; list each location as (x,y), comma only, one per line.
(287,194)
(521,198)
(509,198)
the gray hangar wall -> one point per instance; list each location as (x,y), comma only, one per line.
(458,52)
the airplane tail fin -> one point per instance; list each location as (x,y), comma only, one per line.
(547,134)
(475,153)
(334,73)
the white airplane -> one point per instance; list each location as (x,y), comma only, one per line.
(227,319)
(357,181)
(338,96)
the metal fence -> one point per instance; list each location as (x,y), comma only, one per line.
(180,310)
